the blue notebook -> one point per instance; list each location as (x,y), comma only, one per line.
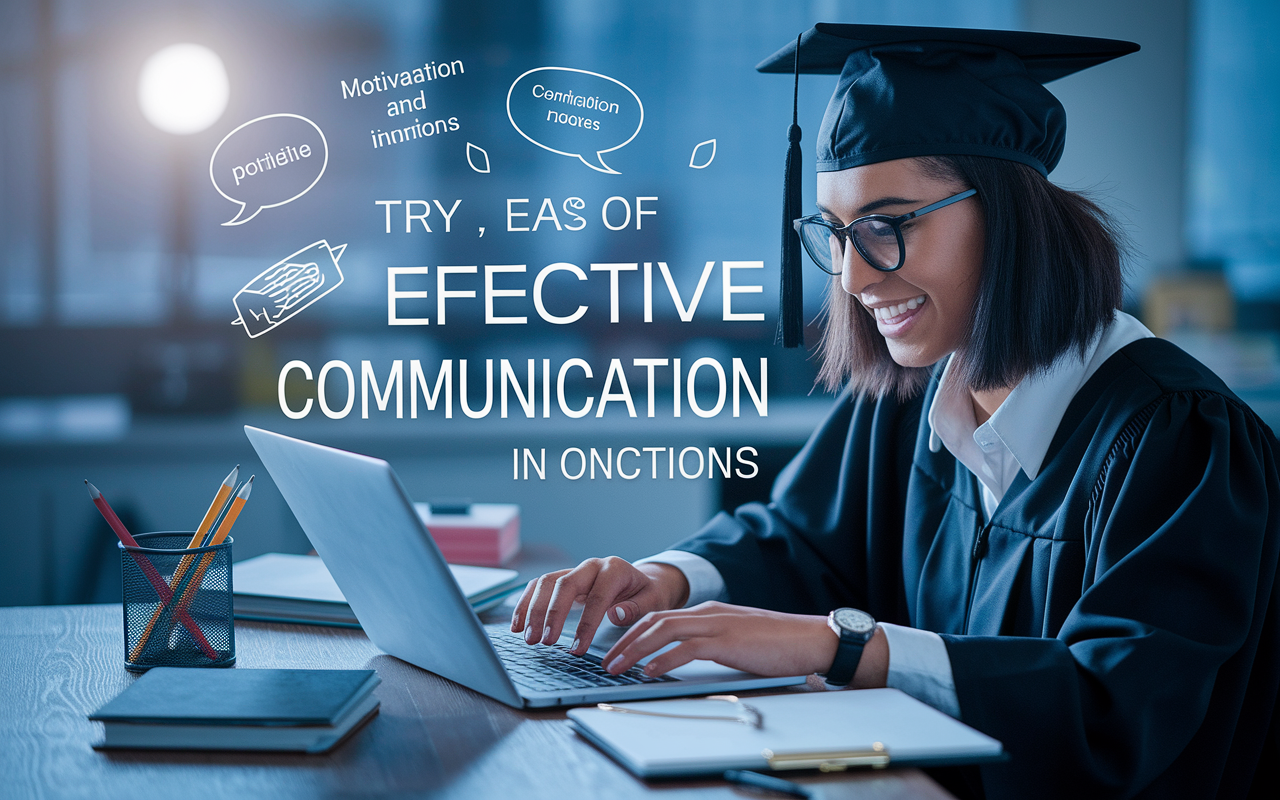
(239,709)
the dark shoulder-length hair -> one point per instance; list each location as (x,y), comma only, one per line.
(1051,276)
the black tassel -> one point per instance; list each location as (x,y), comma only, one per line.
(791,313)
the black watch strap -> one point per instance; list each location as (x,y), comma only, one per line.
(848,654)
(854,629)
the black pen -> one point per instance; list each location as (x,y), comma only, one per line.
(748,778)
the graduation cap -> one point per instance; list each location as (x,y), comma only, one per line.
(909,91)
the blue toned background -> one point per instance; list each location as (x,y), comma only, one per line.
(118,361)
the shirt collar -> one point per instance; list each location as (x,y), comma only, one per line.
(1029,417)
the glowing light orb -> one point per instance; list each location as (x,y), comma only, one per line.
(183,88)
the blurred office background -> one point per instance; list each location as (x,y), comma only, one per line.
(118,362)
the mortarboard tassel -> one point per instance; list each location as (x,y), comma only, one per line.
(791,313)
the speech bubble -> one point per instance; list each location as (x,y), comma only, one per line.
(573,111)
(266,159)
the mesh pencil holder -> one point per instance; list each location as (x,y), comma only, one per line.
(177,603)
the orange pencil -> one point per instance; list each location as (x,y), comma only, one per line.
(218,537)
(219,500)
(224,491)
(222,514)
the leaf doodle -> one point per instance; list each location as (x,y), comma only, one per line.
(477,155)
(693,159)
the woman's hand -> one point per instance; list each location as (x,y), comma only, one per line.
(603,585)
(754,640)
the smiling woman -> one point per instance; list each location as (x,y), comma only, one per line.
(969,256)
(1024,510)
(941,258)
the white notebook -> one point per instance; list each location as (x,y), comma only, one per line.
(293,588)
(870,727)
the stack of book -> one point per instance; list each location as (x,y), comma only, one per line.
(483,534)
(278,587)
(301,710)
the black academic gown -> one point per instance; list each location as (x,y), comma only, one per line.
(1115,624)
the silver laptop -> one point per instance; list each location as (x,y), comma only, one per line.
(363,524)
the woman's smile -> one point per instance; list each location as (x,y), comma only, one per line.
(893,319)
(922,310)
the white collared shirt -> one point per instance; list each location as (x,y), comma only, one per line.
(1016,437)
(1018,434)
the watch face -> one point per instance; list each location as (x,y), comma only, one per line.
(855,621)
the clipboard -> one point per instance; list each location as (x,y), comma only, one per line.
(828,731)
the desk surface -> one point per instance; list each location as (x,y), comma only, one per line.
(432,737)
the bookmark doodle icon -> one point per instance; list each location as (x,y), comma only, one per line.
(287,287)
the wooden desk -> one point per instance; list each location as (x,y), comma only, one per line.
(432,737)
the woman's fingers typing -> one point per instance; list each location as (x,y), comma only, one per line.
(750,639)
(595,586)
(604,586)
(521,614)
(753,640)
(617,583)
(677,656)
(568,585)
(659,629)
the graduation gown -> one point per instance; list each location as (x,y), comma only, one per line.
(1115,624)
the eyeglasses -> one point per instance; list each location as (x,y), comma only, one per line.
(747,714)
(877,237)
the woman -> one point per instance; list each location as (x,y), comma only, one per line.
(1066,529)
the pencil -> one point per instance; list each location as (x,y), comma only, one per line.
(148,569)
(219,500)
(223,529)
(221,515)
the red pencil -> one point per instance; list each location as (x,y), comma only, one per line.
(148,569)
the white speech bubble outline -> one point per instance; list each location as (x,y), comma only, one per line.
(243,205)
(608,170)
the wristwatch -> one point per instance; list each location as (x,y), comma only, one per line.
(855,628)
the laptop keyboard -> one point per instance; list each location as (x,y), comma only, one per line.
(549,668)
